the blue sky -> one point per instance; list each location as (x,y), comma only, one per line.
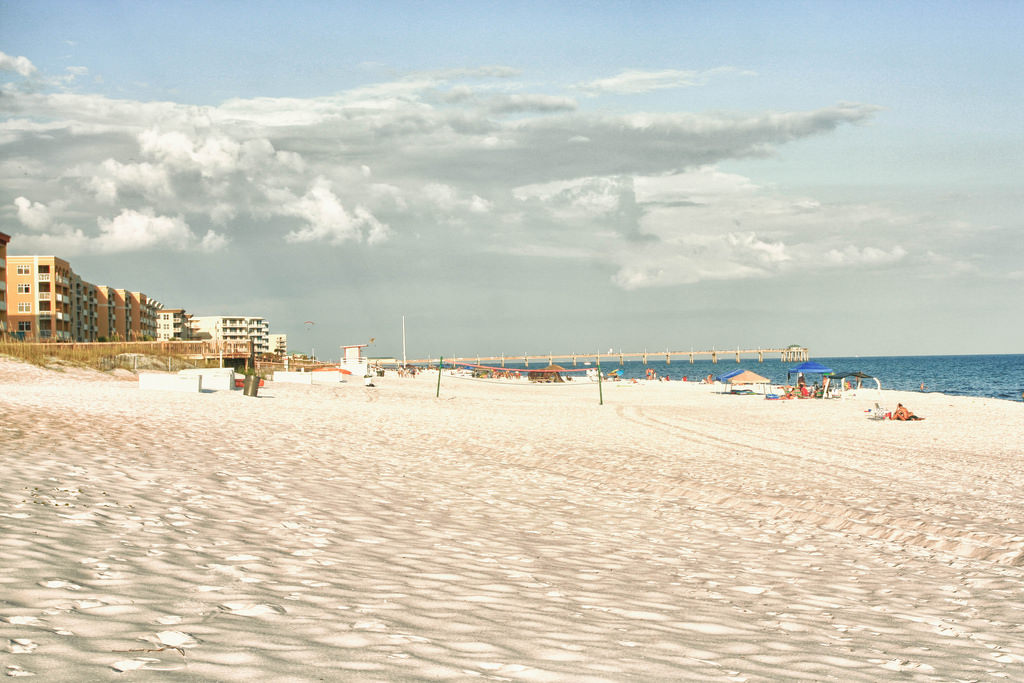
(532,177)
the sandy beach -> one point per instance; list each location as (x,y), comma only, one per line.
(504,533)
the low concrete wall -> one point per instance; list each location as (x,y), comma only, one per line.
(327,377)
(219,379)
(293,377)
(152,381)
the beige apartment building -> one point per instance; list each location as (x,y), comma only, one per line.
(40,297)
(125,315)
(173,323)
(48,301)
(4,241)
(84,310)
(113,321)
(145,310)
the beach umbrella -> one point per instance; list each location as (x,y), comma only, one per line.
(748,377)
(729,375)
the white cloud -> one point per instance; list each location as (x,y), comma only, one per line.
(525,103)
(327,219)
(136,231)
(447,199)
(852,255)
(768,253)
(222,212)
(578,199)
(64,241)
(211,155)
(642,190)
(635,81)
(212,242)
(33,215)
(19,65)
(153,181)
(708,225)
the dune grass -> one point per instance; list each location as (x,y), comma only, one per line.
(99,356)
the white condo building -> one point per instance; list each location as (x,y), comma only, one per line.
(173,323)
(279,344)
(233,328)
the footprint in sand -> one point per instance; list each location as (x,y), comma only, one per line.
(133,664)
(907,665)
(168,619)
(176,639)
(60,583)
(21,646)
(15,670)
(243,609)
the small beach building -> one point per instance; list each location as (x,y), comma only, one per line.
(353,360)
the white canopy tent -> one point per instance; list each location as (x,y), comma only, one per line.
(847,378)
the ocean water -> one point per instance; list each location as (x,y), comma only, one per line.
(995,376)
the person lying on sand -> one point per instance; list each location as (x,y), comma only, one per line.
(902,413)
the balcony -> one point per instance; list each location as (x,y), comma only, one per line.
(44,277)
(3,285)
(44,296)
(3,305)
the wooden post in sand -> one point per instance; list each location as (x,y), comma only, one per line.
(440,364)
(600,391)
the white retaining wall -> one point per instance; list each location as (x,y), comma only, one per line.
(152,381)
(220,379)
(327,377)
(293,377)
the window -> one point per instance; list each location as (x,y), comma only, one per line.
(24,307)
(24,288)
(24,326)
(24,270)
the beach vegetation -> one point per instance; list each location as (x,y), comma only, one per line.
(104,356)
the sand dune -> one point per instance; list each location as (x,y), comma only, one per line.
(504,533)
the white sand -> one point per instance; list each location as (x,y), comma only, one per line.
(521,533)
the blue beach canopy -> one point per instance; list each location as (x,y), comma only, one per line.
(728,375)
(809,367)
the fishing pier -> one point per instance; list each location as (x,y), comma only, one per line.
(790,354)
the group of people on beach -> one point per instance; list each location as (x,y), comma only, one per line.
(652,375)
(805,390)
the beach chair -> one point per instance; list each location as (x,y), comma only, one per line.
(879,413)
